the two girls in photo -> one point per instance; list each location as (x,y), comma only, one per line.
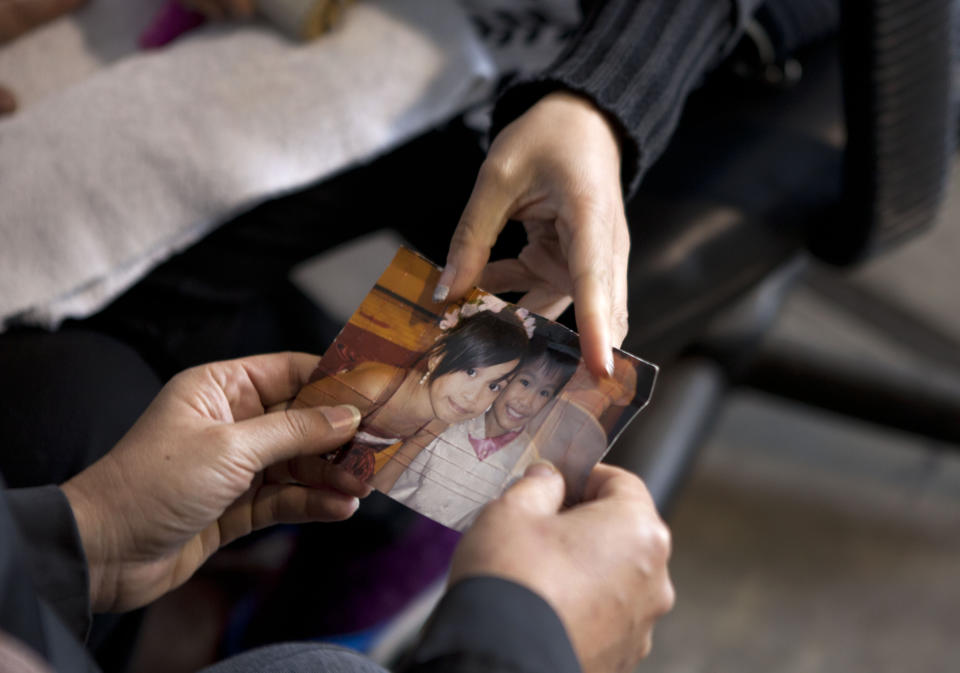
(461,414)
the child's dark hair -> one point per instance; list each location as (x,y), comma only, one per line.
(481,340)
(554,352)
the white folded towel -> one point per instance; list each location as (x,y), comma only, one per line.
(118,159)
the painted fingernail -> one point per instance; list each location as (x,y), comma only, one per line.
(342,417)
(443,284)
(540,468)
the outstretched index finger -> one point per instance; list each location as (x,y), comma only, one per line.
(592,290)
(484,217)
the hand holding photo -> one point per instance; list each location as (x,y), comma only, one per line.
(459,397)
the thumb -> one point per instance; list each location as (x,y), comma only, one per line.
(539,491)
(484,217)
(289,433)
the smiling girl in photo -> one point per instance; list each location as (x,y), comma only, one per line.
(470,463)
(456,380)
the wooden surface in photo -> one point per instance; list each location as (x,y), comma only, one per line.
(411,277)
(400,307)
(400,323)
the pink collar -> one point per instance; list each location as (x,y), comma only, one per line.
(484,448)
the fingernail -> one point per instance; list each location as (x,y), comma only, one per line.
(540,468)
(608,366)
(342,417)
(443,284)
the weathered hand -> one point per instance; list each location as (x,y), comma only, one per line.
(602,565)
(205,464)
(556,168)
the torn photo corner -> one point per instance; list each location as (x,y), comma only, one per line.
(458,398)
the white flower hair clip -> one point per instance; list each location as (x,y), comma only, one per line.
(450,319)
(486,302)
(529,322)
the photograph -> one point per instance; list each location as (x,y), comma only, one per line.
(458,398)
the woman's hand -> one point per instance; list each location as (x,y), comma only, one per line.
(208,463)
(222,9)
(556,168)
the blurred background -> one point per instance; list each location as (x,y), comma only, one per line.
(802,441)
(808,541)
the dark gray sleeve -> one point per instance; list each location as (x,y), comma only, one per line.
(38,539)
(490,624)
(53,552)
(636,60)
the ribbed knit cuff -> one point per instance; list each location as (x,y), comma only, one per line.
(636,60)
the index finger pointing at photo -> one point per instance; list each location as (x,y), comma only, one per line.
(590,258)
(592,313)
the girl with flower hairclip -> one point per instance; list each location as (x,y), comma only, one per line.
(457,379)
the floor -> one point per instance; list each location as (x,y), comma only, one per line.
(806,542)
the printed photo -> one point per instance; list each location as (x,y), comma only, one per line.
(459,397)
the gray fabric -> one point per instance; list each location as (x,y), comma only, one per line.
(54,553)
(117,165)
(24,616)
(297,658)
(493,624)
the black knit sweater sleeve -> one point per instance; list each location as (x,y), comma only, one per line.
(636,60)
